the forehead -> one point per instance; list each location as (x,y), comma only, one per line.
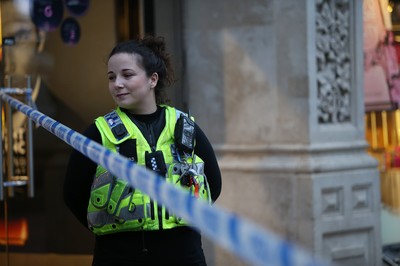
(123,60)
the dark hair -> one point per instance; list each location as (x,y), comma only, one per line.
(153,58)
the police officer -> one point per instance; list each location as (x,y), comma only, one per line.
(130,228)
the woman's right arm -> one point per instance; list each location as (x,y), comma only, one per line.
(78,179)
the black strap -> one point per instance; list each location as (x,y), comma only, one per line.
(128,149)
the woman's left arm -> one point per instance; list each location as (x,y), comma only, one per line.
(205,151)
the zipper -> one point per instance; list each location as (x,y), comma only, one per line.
(152,143)
(152,140)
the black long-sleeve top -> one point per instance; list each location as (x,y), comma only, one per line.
(78,180)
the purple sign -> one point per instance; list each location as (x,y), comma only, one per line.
(70,31)
(47,14)
(77,7)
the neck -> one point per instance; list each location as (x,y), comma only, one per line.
(149,109)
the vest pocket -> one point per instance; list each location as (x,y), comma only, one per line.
(132,212)
(115,207)
(101,190)
(100,196)
(120,190)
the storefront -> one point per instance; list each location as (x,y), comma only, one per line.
(60,46)
(382,98)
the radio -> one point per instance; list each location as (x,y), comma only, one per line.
(184,134)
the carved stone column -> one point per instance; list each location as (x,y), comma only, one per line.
(278,88)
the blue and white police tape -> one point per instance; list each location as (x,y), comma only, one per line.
(240,236)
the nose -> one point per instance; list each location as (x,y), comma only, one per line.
(119,82)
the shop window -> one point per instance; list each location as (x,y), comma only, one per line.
(135,18)
(382,93)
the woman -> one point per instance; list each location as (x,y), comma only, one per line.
(131,228)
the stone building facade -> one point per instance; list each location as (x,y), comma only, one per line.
(278,88)
(278,85)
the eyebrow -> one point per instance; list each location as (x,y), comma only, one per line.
(125,69)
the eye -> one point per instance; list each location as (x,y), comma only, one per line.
(111,77)
(128,75)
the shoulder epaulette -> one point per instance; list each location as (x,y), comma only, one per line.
(117,127)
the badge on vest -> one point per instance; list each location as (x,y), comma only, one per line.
(155,161)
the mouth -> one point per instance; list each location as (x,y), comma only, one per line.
(121,95)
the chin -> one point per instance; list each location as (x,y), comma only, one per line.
(126,106)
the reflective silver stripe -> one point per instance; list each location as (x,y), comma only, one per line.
(200,168)
(99,218)
(178,113)
(138,213)
(103,179)
(177,169)
(102,218)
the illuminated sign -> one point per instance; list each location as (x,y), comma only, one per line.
(70,31)
(47,14)
(77,7)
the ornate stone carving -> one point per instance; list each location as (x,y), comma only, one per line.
(333,61)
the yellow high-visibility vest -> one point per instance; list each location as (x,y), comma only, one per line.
(116,207)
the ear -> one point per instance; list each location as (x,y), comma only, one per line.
(153,80)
